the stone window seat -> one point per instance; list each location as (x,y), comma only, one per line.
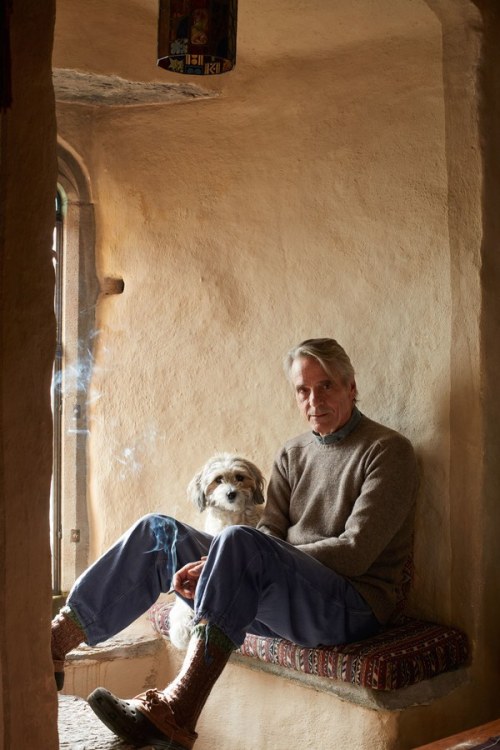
(410,663)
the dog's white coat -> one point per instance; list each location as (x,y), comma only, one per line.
(229,490)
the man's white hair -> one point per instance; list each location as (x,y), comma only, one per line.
(328,352)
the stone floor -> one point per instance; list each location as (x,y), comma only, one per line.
(80,729)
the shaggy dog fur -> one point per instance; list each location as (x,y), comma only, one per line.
(229,490)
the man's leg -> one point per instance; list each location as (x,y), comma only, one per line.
(249,581)
(257,583)
(123,583)
(167,719)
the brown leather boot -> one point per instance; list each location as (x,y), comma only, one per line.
(167,719)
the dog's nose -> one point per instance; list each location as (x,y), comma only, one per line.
(231,495)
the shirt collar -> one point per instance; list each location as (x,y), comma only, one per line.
(344,431)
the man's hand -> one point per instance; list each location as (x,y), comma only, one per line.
(185,580)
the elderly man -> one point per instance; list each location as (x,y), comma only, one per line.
(323,566)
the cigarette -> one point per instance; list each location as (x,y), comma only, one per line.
(185,588)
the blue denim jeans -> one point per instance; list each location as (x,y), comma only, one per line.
(251,582)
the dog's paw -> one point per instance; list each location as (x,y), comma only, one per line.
(180,638)
(180,625)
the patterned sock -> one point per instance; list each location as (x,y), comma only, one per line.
(67,633)
(207,655)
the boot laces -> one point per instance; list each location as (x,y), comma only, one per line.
(153,698)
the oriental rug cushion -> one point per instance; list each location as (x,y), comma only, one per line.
(400,656)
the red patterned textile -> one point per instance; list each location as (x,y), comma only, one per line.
(402,655)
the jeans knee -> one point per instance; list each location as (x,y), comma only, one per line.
(233,531)
(162,529)
(153,519)
(240,535)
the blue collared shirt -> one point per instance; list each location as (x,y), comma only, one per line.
(343,432)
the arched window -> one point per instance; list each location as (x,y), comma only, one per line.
(75,301)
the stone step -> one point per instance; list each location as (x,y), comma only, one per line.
(127,664)
(80,729)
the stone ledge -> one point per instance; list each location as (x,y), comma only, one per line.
(122,646)
(421,694)
(127,664)
(81,87)
(349,716)
(126,646)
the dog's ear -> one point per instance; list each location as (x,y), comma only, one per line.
(195,492)
(258,495)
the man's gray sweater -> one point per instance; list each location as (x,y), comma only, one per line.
(349,504)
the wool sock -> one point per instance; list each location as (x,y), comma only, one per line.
(208,652)
(67,633)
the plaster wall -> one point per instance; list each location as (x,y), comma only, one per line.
(332,187)
(308,198)
(311,718)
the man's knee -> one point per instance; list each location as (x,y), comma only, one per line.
(155,518)
(236,531)
(242,536)
(162,529)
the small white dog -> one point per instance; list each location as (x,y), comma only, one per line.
(229,489)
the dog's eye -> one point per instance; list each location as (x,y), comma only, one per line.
(218,480)
(239,477)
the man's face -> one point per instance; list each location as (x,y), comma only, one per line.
(325,402)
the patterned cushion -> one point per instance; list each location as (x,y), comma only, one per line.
(402,655)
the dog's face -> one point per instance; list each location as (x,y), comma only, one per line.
(228,482)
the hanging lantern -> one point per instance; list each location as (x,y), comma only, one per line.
(197,37)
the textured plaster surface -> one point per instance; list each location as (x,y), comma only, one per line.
(300,202)
(251,708)
(93,89)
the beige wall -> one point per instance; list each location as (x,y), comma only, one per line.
(309,198)
(333,187)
